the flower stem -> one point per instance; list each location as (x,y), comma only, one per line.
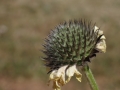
(90,77)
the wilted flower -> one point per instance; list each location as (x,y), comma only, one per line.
(70,45)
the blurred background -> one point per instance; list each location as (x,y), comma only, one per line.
(25,23)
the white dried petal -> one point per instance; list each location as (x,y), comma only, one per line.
(53,74)
(71,71)
(56,86)
(58,77)
(100,32)
(95,28)
(103,37)
(78,75)
(101,46)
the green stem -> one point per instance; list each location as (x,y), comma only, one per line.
(90,77)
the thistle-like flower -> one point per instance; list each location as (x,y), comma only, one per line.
(70,45)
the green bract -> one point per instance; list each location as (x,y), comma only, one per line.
(70,43)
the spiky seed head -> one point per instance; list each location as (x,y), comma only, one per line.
(70,43)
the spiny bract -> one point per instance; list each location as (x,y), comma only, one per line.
(71,43)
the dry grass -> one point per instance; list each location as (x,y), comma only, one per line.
(25,23)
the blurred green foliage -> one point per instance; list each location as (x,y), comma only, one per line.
(25,23)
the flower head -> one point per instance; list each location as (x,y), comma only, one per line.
(70,45)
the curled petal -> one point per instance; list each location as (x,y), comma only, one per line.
(53,75)
(58,77)
(100,32)
(71,71)
(103,37)
(62,79)
(56,85)
(101,46)
(78,75)
(95,28)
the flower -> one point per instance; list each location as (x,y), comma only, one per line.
(58,76)
(71,45)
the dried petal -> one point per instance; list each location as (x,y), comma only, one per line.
(78,75)
(101,46)
(58,77)
(71,71)
(56,86)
